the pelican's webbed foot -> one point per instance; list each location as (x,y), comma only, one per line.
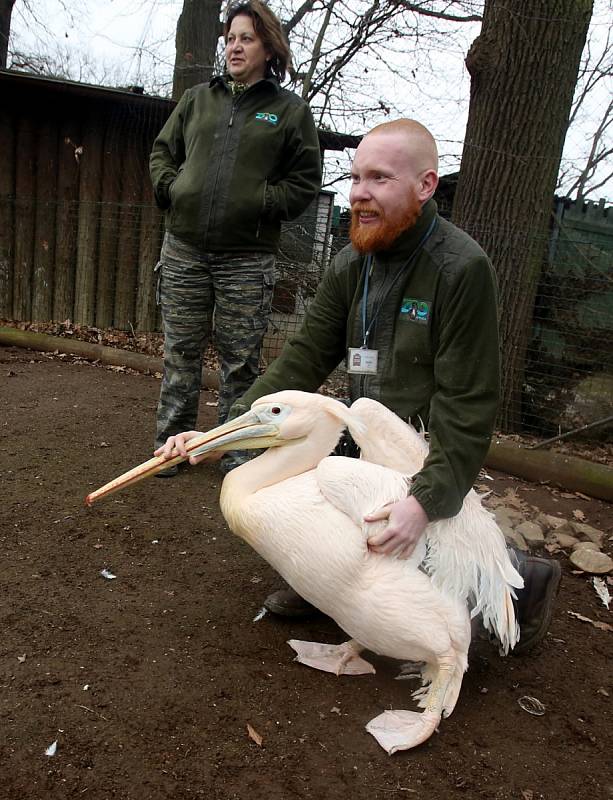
(340,659)
(401,730)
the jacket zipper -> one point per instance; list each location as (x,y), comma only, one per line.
(257,231)
(235,104)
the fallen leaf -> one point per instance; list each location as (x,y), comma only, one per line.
(602,626)
(511,498)
(253,734)
(578,514)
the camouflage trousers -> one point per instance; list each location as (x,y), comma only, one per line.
(198,291)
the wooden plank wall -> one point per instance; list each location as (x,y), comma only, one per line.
(79,231)
(80,234)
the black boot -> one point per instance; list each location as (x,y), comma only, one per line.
(535,602)
(171,472)
(288,603)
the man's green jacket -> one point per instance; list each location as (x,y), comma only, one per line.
(432,312)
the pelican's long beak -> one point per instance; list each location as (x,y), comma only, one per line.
(246,432)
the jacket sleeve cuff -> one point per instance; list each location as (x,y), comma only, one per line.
(161,193)
(236,410)
(424,498)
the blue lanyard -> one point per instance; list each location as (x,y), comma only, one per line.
(368,265)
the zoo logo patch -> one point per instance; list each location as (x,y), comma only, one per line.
(415,310)
(267,117)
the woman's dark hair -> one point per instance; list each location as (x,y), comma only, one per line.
(268,27)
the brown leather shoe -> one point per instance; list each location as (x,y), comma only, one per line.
(535,602)
(288,603)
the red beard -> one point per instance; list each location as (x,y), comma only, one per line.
(383,234)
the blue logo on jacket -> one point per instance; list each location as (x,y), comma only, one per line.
(267,117)
(415,310)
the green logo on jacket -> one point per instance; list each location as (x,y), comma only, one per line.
(267,117)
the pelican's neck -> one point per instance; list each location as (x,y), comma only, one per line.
(278,464)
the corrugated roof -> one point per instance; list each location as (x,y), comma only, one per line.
(134,95)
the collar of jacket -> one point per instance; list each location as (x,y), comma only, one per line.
(408,240)
(224,80)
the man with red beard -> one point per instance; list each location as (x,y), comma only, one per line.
(411,305)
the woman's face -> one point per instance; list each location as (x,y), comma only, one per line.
(246,56)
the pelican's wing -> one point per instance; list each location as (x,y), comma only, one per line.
(467,554)
(386,439)
(358,488)
(468,558)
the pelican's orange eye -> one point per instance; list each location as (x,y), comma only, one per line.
(275,410)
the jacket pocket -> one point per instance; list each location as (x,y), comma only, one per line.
(413,343)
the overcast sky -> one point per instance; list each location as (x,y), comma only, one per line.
(128,41)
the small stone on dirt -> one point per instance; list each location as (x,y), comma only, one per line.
(592,561)
(587,533)
(549,522)
(586,546)
(562,539)
(532,532)
(515,539)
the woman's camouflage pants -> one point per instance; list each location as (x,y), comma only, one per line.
(191,286)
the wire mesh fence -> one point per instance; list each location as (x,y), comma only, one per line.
(80,236)
(93,264)
(566,377)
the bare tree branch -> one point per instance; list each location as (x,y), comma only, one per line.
(419,8)
(304,9)
(306,83)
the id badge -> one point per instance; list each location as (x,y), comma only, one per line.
(362,361)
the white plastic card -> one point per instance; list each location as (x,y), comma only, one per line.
(362,361)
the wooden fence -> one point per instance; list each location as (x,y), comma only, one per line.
(79,230)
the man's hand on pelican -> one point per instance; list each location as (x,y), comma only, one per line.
(407,521)
(176,445)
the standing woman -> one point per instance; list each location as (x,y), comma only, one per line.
(235,158)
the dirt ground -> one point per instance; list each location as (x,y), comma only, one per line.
(148,682)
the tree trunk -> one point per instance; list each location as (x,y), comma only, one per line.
(6,9)
(198,30)
(523,69)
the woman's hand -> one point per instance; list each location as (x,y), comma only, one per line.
(176,446)
(407,521)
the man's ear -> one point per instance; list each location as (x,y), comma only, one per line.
(428,182)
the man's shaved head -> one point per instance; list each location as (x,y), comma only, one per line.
(420,143)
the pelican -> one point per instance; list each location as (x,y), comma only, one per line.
(303,511)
